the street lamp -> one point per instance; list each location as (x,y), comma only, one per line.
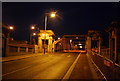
(52,15)
(70,44)
(11,28)
(31,34)
(58,38)
(34,34)
(32,27)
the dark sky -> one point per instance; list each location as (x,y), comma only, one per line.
(73,17)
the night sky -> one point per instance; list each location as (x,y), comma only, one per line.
(73,17)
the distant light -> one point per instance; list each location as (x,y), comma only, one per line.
(11,27)
(58,38)
(76,37)
(53,14)
(70,41)
(12,39)
(43,34)
(34,34)
(75,45)
(32,27)
(59,43)
(80,46)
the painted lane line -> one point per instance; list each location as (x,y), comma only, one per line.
(16,71)
(67,75)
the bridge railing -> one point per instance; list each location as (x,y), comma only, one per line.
(105,52)
(19,49)
(110,69)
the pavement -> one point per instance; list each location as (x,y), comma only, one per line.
(64,66)
(11,58)
(49,66)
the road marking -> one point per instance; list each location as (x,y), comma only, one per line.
(97,68)
(67,75)
(15,71)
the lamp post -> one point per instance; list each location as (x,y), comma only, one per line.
(52,15)
(34,34)
(31,33)
(10,28)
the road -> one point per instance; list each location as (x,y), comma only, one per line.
(49,66)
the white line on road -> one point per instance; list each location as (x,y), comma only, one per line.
(97,67)
(15,71)
(67,75)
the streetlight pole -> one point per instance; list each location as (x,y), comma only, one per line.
(45,32)
(45,22)
(53,14)
(31,32)
(11,28)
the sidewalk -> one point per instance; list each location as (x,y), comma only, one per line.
(84,70)
(10,58)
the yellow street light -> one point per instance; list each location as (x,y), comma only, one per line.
(70,41)
(58,38)
(53,14)
(11,27)
(32,27)
(34,34)
(80,46)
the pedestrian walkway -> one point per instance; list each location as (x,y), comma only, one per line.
(10,58)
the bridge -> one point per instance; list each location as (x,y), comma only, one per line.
(69,57)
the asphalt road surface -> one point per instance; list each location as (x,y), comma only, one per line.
(49,66)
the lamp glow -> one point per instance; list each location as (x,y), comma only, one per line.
(32,27)
(34,34)
(53,14)
(11,27)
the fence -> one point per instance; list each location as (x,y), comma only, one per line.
(109,69)
(19,49)
(105,52)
